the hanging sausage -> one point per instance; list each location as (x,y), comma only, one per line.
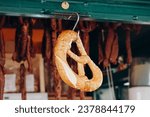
(109,42)
(57,81)
(60,27)
(115,50)
(23,42)
(51,29)
(100,47)
(46,42)
(111,47)
(137,28)
(71,93)
(128,45)
(23,82)
(128,28)
(2,59)
(86,28)
(47,51)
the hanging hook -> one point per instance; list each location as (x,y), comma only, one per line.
(78,17)
(68,16)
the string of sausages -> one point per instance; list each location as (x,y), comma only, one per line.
(111,47)
(108,49)
(24,50)
(51,29)
(47,52)
(23,43)
(128,44)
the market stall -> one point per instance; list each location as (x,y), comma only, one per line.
(73,49)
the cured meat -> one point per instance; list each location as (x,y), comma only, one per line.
(127,28)
(2,49)
(115,50)
(22,81)
(57,81)
(2,59)
(23,43)
(60,28)
(86,42)
(108,46)
(71,93)
(137,28)
(111,47)
(100,50)
(128,47)
(86,27)
(2,62)
(2,82)
(46,42)
(46,50)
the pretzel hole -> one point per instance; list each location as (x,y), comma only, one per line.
(88,71)
(72,63)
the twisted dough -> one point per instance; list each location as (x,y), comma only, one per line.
(74,80)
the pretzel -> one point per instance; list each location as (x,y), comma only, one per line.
(78,81)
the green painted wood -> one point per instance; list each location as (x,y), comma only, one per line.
(110,10)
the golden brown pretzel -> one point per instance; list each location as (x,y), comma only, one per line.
(62,49)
